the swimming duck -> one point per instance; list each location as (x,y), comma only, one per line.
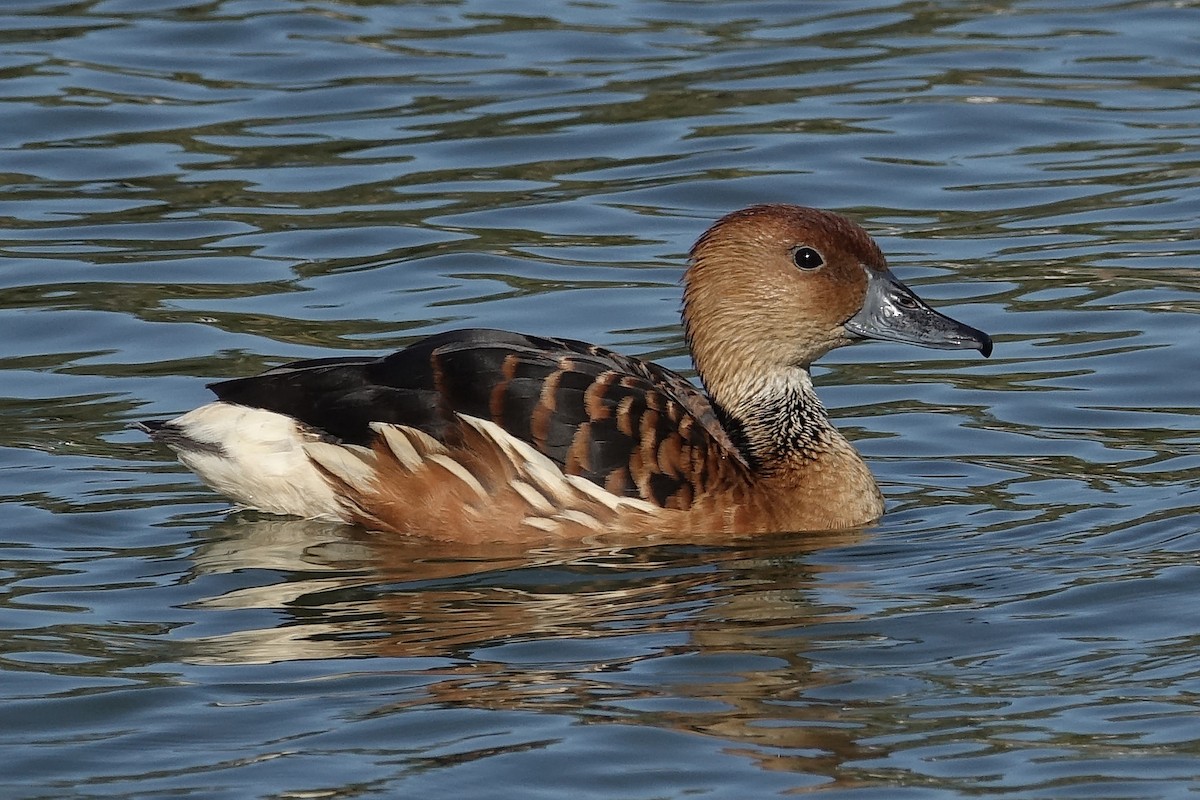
(480,435)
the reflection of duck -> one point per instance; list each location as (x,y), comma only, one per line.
(347,593)
(708,640)
(483,435)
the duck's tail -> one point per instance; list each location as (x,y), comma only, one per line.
(257,458)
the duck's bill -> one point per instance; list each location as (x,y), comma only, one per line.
(892,312)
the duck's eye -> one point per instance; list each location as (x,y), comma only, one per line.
(807,258)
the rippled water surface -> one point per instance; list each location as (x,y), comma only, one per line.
(192,190)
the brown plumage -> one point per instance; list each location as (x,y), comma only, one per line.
(487,435)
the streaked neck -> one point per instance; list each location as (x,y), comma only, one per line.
(777,419)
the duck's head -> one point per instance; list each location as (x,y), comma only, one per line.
(774,287)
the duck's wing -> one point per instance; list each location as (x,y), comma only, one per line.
(633,427)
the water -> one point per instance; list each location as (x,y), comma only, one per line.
(192,191)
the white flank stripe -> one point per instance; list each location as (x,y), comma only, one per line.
(343,463)
(425,444)
(597,493)
(542,524)
(516,449)
(533,497)
(580,518)
(398,443)
(459,471)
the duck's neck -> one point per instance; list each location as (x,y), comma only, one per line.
(809,476)
(777,420)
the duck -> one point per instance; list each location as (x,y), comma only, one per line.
(482,435)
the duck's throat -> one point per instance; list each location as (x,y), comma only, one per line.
(777,420)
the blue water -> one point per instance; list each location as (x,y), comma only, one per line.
(191,191)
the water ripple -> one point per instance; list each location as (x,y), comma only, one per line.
(189,191)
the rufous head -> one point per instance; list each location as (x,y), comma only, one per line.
(773,287)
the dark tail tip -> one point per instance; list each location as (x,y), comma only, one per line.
(150,427)
(175,438)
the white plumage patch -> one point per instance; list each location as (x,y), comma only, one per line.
(259,459)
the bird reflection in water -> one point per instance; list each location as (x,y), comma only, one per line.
(708,639)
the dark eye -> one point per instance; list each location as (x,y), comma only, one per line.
(807,258)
